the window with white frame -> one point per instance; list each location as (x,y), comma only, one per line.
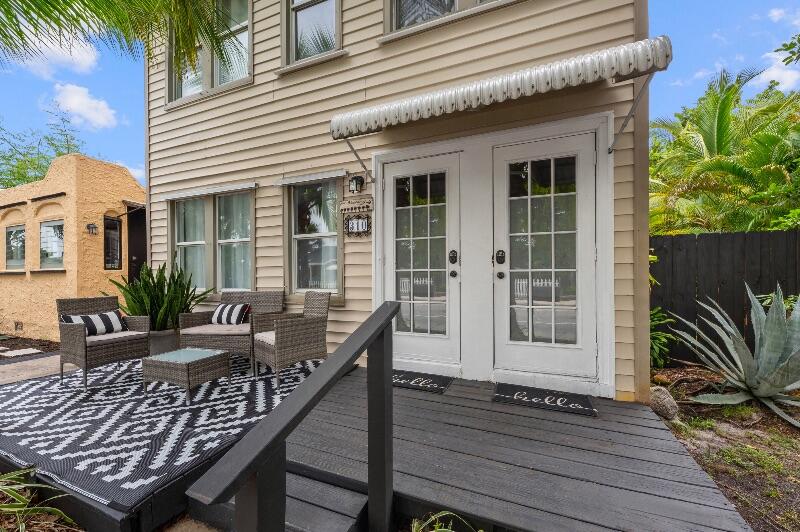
(407,13)
(15,247)
(213,240)
(315,237)
(210,71)
(312,28)
(51,245)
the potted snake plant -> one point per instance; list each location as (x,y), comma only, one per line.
(163,297)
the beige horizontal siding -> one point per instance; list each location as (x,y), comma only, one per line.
(279,126)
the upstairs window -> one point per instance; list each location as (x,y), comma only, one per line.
(15,247)
(210,72)
(413,12)
(112,243)
(51,245)
(312,26)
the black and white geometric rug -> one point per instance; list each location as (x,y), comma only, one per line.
(116,446)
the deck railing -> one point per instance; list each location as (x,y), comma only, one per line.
(254,469)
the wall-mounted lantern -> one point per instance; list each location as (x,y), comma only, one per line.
(356,184)
(91,229)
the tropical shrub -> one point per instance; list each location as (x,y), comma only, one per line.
(17,506)
(727,164)
(659,338)
(788,301)
(769,374)
(434,523)
(158,295)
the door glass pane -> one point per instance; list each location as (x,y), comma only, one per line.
(234,261)
(421,253)
(314,26)
(411,12)
(542,210)
(403,320)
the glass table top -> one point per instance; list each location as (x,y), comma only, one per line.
(189,354)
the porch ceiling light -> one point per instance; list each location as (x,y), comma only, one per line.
(616,64)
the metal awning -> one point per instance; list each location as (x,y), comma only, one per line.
(617,64)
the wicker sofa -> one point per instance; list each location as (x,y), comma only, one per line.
(88,352)
(284,340)
(196,329)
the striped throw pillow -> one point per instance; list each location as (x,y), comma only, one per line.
(97,324)
(230,314)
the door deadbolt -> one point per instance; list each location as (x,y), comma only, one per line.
(453,257)
(500,256)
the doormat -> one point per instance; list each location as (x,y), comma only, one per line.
(421,381)
(572,403)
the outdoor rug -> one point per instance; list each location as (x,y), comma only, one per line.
(421,381)
(572,403)
(117,446)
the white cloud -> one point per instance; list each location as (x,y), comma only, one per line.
(718,36)
(136,171)
(78,57)
(787,76)
(739,58)
(776,14)
(83,108)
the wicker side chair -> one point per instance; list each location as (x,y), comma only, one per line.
(88,352)
(196,329)
(290,338)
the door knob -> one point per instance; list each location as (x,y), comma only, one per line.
(501,275)
(453,273)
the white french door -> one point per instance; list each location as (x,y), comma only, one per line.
(544,265)
(421,260)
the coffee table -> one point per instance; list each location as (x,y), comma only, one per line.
(188,367)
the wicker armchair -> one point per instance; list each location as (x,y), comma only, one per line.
(196,329)
(290,338)
(88,352)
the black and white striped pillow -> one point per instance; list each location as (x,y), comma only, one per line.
(97,324)
(230,314)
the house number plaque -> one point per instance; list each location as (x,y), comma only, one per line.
(357,225)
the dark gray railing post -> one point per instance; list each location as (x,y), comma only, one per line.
(261,503)
(379,424)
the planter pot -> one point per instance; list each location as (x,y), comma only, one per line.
(163,341)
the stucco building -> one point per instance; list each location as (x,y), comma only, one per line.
(66,236)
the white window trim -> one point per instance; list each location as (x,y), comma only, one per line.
(50,223)
(24,242)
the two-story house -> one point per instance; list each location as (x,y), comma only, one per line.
(479,161)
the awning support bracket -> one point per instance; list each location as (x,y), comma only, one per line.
(367,173)
(632,111)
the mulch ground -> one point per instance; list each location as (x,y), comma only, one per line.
(14,342)
(752,454)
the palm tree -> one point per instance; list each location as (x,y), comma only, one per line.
(726,164)
(29,28)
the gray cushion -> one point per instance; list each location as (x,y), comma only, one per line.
(112,338)
(216,329)
(265,337)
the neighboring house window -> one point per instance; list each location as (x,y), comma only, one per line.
(51,245)
(112,243)
(15,247)
(221,227)
(210,72)
(315,237)
(313,27)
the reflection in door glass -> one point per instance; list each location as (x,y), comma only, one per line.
(420,253)
(543,298)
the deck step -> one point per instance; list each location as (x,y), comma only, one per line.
(311,505)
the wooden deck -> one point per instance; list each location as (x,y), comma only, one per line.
(506,466)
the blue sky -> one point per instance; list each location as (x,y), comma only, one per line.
(102,92)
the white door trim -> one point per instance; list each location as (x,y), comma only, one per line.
(480,365)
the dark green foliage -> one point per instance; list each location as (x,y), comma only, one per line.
(659,338)
(158,295)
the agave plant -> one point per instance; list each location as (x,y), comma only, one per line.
(17,501)
(770,373)
(158,295)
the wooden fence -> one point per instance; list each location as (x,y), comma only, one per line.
(691,267)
